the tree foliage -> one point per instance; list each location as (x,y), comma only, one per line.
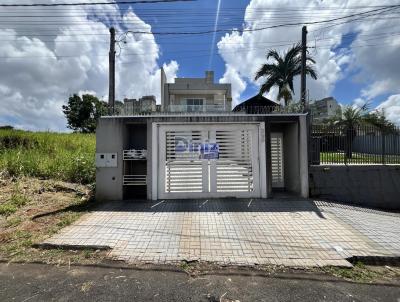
(83,112)
(379,120)
(353,116)
(282,71)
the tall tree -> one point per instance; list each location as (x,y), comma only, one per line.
(282,70)
(353,116)
(82,112)
(378,119)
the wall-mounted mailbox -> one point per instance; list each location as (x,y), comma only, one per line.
(106,160)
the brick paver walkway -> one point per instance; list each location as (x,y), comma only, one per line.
(280,232)
(381,227)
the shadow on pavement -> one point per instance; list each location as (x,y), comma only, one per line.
(214,205)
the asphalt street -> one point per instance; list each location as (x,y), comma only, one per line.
(38,282)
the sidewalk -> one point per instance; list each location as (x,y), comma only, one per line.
(240,232)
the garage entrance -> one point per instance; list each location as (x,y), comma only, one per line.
(210,161)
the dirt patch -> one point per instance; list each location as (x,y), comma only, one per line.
(366,273)
(360,273)
(32,210)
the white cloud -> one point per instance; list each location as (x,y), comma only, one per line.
(376,67)
(32,91)
(238,85)
(359,102)
(377,88)
(391,108)
(245,52)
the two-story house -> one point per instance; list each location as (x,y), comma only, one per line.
(195,94)
(208,151)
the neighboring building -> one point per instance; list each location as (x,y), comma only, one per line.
(195,94)
(144,104)
(257,104)
(324,109)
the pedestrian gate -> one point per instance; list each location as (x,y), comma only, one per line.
(209,160)
(277,160)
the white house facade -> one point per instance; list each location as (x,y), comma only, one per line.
(195,94)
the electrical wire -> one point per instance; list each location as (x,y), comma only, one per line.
(92,3)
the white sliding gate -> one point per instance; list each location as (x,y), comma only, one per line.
(210,160)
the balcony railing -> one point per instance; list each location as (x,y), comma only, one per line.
(198,108)
(218,110)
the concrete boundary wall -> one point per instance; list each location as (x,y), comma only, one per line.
(375,186)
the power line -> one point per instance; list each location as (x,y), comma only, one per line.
(50,32)
(258,9)
(377,35)
(92,3)
(189,18)
(55,56)
(376,11)
(381,10)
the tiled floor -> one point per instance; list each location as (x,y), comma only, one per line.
(383,228)
(284,232)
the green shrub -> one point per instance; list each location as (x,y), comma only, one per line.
(13,221)
(7,209)
(61,156)
(16,201)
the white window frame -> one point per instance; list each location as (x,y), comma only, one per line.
(195,99)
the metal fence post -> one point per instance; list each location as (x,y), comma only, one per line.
(346,145)
(383,147)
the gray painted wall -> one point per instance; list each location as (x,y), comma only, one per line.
(290,157)
(110,139)
(372,186)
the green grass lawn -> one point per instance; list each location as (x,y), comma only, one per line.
(60,156)
(45,181)
(357,158)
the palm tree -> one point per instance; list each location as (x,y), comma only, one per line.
(354,116)
(351,117)
(282,71)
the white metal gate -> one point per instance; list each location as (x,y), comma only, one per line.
(185,173)
(277,160)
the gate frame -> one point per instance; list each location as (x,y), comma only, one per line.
(261,160)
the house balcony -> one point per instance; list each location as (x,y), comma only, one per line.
(198,108)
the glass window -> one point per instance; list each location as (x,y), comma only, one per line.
(194,105)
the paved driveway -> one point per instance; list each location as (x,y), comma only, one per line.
(251,231)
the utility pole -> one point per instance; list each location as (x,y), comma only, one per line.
(303,88)
(111,72)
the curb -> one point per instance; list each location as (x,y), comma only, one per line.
(48,246)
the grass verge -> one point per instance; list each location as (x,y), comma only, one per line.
(35,209)
(61,156)
(363,273)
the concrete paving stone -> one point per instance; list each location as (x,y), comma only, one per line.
(278,232)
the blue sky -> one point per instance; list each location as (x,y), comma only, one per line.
(193,63)
(193,52)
